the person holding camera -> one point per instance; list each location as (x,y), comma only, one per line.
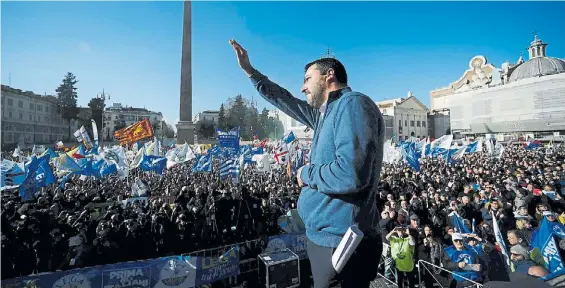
(402,246)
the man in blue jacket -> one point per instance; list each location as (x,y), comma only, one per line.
(339,185)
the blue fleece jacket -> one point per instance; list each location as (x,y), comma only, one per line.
(345,161)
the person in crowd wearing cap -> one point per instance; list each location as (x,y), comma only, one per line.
(463,262)
(482,248)
(522,263)
(339,185)
(402,246)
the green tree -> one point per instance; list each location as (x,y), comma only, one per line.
(263,121)
(205,129)
(97,106)
(169,131)
(222,120)
(237,114)
(67,97)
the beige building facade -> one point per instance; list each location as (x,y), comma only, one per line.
(527,96)
(404,117)
(29,118)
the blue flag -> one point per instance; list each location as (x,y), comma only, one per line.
(203,163)
(289,137)
(458,223)
(544,242)
(12,173)
(40,177)
(153,163)
(229,168)
(472,147)
(412,157)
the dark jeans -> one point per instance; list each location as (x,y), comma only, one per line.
(409,277)
(359,271)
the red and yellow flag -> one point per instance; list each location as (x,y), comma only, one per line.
(134,132)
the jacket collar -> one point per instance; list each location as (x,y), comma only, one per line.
(332,96)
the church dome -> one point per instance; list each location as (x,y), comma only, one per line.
(538,64)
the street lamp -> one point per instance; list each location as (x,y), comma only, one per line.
(103,96)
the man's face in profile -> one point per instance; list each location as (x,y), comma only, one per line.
(314,87)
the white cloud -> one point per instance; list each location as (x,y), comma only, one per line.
(84,47)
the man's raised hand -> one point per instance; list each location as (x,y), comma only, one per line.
(242,57)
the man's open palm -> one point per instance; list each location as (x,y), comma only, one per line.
(242,57)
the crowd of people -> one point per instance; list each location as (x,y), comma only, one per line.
(419,211)
(90,222)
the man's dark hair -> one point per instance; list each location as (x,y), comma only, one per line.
(325,64)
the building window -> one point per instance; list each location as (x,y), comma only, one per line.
(417,123)
(21,116)
(399,123)
(39,108)
(9,114)
(405,123)
(31,106)
(30,117)
(411,123)
(423,123)
(10,102)
(9,137)
(21,104)
(46,109)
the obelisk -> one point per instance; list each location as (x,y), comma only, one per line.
(185,127)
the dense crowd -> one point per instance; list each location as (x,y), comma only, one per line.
(91,222)
(419,210)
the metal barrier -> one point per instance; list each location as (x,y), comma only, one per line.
(423,264)
(386,263)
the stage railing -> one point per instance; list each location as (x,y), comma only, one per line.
(423,266)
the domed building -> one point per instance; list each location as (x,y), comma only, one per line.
(524,97)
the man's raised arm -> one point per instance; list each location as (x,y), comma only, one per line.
(275,94)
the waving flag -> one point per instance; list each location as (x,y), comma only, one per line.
(40,176)
(153,163)
(13,173)
(135,132)
(203,163)
(476,146)
(66,163)
(544,242)
(458,223)
(441,145)
(281,154)
(500,239)
(455,154)
(412,157)
(288,138)
(229,168)
(532,145)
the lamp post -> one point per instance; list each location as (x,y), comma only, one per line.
(103,96)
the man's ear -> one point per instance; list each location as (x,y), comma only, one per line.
(330,75)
